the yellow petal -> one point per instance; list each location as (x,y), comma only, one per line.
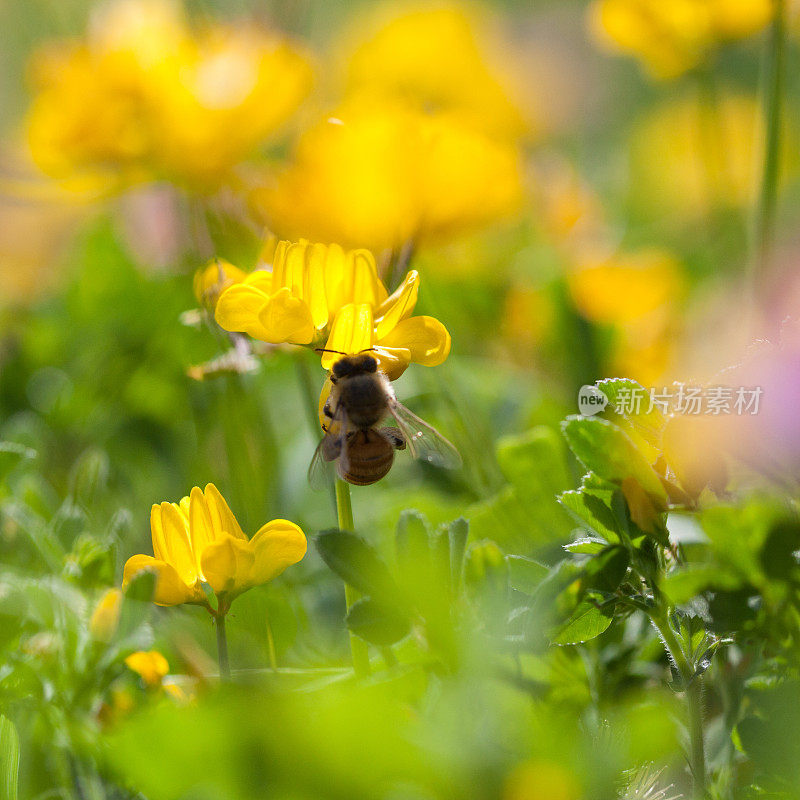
(357,281)
(227,563)
(277,545)
(171,543)
(201,528)
(222,517)
(392,360)
(260,279)
(286,318)
(398,305)
(238,308)
(425,337)
(315,286)
(150,665)
(170,589)
(352,332)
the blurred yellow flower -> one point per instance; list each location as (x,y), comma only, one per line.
(146,97)
(673,36)
(627,287)
(105,618)
(379,176)
(436,57)
(199,541)
(149,665)
(323,295)
(689,157)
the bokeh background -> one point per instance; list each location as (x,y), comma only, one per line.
(580,194)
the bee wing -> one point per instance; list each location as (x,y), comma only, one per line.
(423,440)
(333,445)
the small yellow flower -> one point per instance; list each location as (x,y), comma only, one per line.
(149,665)
(105,618)
(380,175)
(675,36)
(199,541)
(213,279)
(322,295)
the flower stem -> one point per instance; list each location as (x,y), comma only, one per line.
(273,657)
(344,510)
(774,68)
(694,703)
(222,647)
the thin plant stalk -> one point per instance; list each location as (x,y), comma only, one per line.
(273,657)
(222,647)
(694,704)
(774,69)
(344,510)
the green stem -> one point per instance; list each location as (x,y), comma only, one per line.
(694,704)
(344,510)
(222,647)
(774,68)
(273,657)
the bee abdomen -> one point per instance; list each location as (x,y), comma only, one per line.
(368,461)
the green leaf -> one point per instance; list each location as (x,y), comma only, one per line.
(11,455)
(9,759)
(587,546)
(525,574)
(537,454)
(356,562)
(412,540)
(684,583)
(592,505)
(457,531)
(607,451)
(647,422)
(377,623)
(606,571)
(586,622)
(778,552)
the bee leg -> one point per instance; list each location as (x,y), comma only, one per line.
(394,437)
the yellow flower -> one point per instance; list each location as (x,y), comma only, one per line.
(323,295)
(689,158)
(627,287)
(213,279)
(440,58)
(381,175)
(199,541)
(144,97)
(105,618)
(149,665)
(673,37)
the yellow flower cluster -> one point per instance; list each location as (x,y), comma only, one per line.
(438,57)
(673,36)
(144,96)
(198,541)
(382,175)
(322,295)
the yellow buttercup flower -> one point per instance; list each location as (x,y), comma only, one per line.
(149,665)
(145,97)
(673,37)
(380,175)
(199,541)
(322,295)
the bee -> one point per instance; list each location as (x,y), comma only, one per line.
(361,398)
